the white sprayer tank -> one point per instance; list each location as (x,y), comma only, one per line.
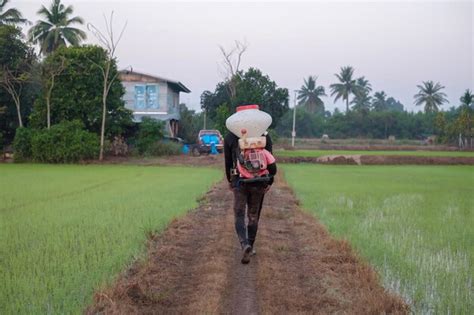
(249,119)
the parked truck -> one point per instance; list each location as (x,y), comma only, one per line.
(205,140)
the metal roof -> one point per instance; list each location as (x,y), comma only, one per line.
(176,84)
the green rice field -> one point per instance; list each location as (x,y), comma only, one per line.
(413,223)
(318,153)
(67,230)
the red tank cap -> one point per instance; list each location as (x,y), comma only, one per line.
(244,107)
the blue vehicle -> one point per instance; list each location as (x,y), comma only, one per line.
(206,139)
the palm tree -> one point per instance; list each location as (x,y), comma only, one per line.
(310,94)
(362,100)
(11,16)
(467,99)
(430,94)
(56,30)
(364,85)
(346,87)
(379,103)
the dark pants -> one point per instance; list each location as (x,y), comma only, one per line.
(248,197)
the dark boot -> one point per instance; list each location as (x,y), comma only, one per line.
(247,250)
(253,252)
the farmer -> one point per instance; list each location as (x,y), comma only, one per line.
(247,195)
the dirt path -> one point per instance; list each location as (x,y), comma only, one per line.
(194,267)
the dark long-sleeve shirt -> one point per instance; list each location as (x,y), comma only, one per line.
(231,142)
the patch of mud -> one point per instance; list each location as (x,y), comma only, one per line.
(194,267)
(415,160)
(327,159)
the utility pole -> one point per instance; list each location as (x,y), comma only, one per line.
(204,119)
(293,133)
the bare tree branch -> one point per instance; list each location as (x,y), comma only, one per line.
(110,44)
(50,72)
(231,65)
(13,83)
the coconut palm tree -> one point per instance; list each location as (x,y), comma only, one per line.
(362,100)
(11,16)
(379,103)
(56,30)
(431,96)
(346,86)
(310,95)
(364,85)
(467,100)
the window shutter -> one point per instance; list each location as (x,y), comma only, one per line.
(140,102)
(152,96)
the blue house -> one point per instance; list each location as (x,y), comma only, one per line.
(152,96)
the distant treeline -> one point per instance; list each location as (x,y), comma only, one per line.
(370,116)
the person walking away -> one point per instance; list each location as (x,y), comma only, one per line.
(248,184)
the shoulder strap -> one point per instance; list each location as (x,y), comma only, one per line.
(235,151)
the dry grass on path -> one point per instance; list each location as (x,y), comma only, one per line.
(194,267)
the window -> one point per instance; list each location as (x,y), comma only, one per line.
(152,94)
(146,96)
(140,99)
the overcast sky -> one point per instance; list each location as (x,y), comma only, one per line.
(394,44)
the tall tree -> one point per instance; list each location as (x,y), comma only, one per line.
(431,96)
(310,95)
(11,16)
(51,68)
(394,105)
(467,99)
(231,65)
(379,103)
(465,121)
(347,85)
(16,60)
(56,30)
(362,100)
(78,92)
(110,43)
(364,85)
(252,87)
(13,81)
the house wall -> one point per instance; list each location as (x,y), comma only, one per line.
(172,100)
(129,97)
(168,99)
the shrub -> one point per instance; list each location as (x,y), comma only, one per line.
(149,133)
(65,142)
(164,148)
(118,147)
(22,144)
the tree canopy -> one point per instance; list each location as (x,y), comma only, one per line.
(56,29)
(346,86)
(310,95)
(16,60)
(76,94)
(10,16)
(431,96)
(252,87)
